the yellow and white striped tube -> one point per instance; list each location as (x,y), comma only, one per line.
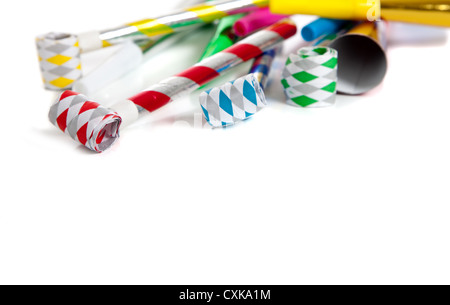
(59,54)
(154,29)
(179,21)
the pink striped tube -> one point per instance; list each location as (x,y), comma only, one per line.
(256,21)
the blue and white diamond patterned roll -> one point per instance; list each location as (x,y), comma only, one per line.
(59,59)
(233,102)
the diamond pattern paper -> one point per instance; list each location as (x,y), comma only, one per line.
(233,102)
(59,58)
(86,122)
(310,77)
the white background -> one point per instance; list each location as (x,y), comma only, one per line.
(353,194)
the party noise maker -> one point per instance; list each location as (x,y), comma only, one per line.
(310,76)
(241,99)
(61,66)
(256,21)
(59,53)
(175,22)
(362,57)
(430,12)
(59,60)
(97,128)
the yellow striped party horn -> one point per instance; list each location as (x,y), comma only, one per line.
(179,21)
(59,54)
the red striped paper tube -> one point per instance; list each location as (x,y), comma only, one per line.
(160,94)
(187,81)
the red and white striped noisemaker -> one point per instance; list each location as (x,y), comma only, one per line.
(101,137)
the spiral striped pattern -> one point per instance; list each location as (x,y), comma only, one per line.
(181,21)
(159,95)
(86,122)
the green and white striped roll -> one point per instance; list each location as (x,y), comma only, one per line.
(310,77)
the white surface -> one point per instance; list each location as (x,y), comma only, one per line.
(357,193)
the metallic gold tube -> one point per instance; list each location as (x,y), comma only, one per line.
(431,12)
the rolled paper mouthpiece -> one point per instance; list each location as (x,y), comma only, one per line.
(310,77)
(233,102)
(59,60)
(87,122)
(256,21)
(321,27)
